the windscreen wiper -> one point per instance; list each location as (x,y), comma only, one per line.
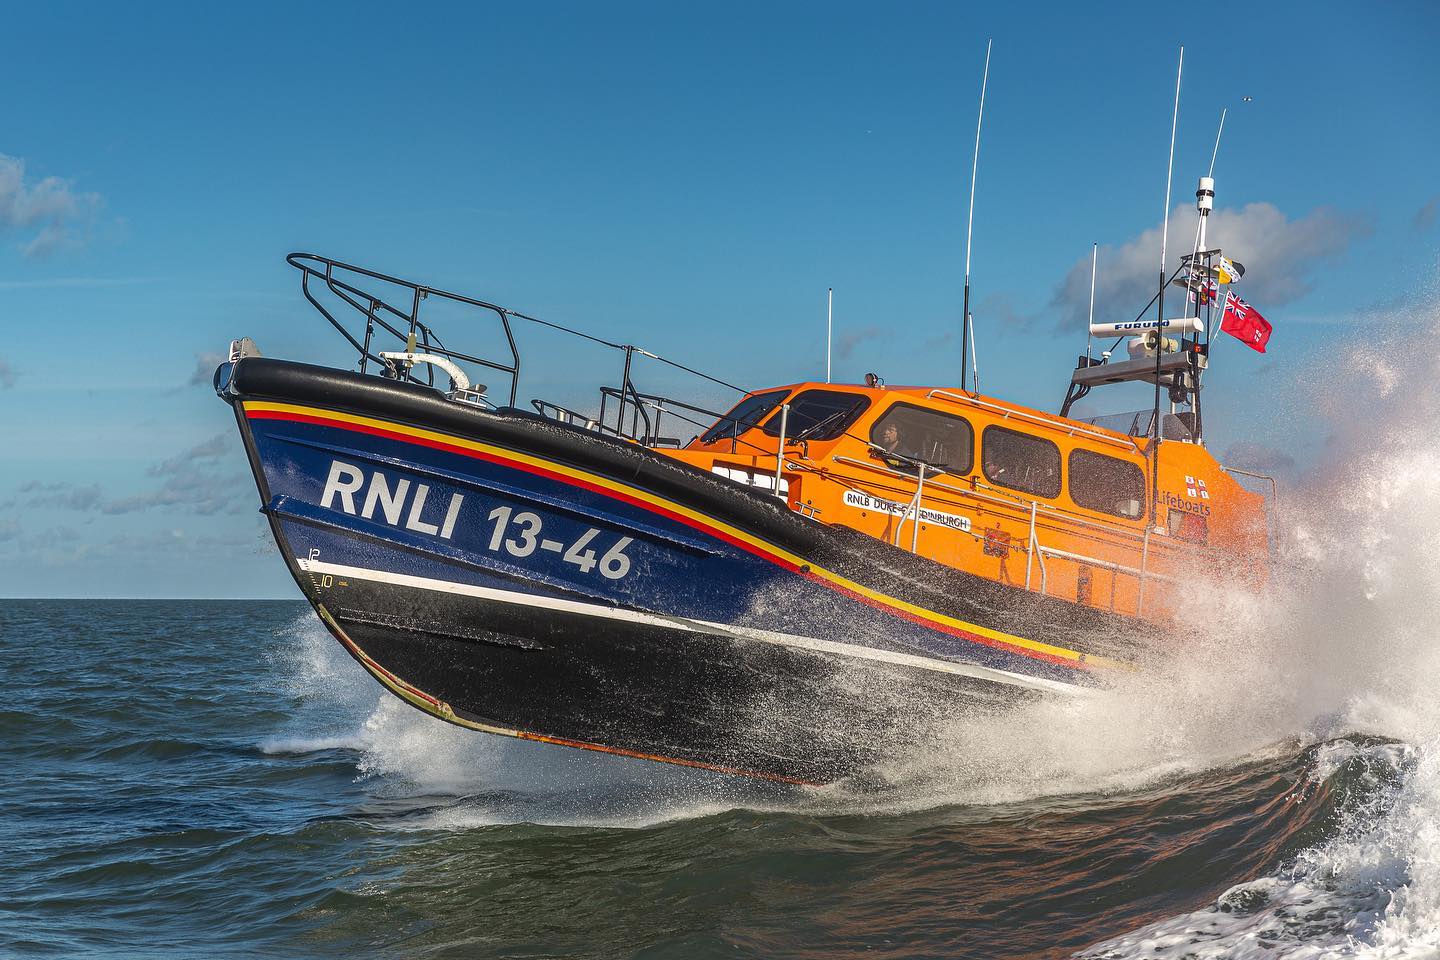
(818,424)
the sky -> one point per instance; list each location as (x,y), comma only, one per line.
(690,178)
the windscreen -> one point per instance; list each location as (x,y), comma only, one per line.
(819,415)
(745,415)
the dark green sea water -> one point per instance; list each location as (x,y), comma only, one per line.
(217,779)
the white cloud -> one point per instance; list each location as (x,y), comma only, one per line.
(207,479)
(48,213)
(204,372)
(1280,255)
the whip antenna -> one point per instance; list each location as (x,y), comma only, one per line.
(1216,152)
(1160,304)
(829,318)
(1164,253)
(1090,334)
(967,334)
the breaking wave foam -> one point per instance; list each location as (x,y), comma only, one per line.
(1346,641)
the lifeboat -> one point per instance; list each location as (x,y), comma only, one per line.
(771,590)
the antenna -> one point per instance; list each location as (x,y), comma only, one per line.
(967,335)
(1216,152)
(829,317)
(1089,333)
(1160,303)
(1164,253)
(1208,184)
(974,359)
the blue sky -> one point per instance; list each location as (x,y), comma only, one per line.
(689,178)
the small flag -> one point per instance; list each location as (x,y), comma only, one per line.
(1223,269)
(1244,323)
(1205,287)
(1228,271)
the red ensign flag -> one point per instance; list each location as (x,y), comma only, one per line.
(1244,323)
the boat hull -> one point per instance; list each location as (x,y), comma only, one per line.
(527,578)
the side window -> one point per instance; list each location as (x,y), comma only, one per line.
(746,414)
(1021,462)
(941,439)
(819,415)
(1107,484)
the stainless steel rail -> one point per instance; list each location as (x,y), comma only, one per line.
(1036,552)
(1006,413)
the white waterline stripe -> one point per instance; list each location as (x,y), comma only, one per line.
(852,650)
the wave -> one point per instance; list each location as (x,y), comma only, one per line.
(1344,641)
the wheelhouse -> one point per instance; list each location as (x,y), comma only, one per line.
(1027,498)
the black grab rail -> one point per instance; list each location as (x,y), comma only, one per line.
(375,310)
(402,323)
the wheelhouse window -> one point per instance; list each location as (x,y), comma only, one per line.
(746,414)
(908,432)
(1020,461)
(819,415)
(1107,484)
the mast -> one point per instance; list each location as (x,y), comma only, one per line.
(1203,216)
(967,336)
(1204,203)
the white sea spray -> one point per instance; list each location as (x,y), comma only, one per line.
(1355,621)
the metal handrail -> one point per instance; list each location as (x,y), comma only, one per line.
(780,448)
(1036,553)
(324,268)
(585,420)
(654,400)
(404,322)
(658,403)
(1035,550)
(1274,485)
(1001,498)
(912,510)
(1030,543)
(1068,429)
(1104,564)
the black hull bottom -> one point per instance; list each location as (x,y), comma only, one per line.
(640,689)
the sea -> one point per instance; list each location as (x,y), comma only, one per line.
(219,779)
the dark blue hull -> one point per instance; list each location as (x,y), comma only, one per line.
(527,578)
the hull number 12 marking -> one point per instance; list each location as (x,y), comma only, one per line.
(524,539)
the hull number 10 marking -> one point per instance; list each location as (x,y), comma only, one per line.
(525,539)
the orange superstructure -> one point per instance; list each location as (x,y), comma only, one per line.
(1023,497)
